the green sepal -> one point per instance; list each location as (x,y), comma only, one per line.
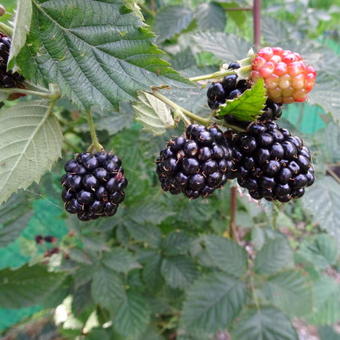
(248,106)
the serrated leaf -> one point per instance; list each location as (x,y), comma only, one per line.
(30,142)
(132,316)
(120,260)
(320,250)
(226,255)
(212,302)
(274,256)
(27,286)
(248,106)
(145,233)
(100,53)
(153,114)
(152,270)
(322,200)
(107,288)
(172,20)
(177,243)
(178,271)
(183,59)
(327,302)
(22,23)
(290,291)
(227,47)
(265,323)
(210,17)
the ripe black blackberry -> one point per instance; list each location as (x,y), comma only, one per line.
(270,162)
(229,88)
(93,185)
(197,164)
(8,79)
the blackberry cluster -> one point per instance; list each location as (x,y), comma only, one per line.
(229,88)
(270,162)
(8,79)
(197,164)
(93,185)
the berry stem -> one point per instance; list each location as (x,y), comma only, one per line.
(179,109)
(6,29)
(233,209)
(23,91)
(95,145)
(218,74)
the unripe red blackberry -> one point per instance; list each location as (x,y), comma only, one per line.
(8,79)
(195,165)
(93,185)
(270,162)
(231,87)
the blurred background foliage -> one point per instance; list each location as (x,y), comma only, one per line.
(197,37)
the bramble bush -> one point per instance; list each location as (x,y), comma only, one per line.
(104,107)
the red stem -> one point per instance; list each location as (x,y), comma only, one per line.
(257,23)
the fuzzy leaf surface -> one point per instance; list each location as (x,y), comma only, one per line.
(210,17)
(98,52)
(30,142)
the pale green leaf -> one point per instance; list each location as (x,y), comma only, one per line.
(27,286)
(100,53)
(210,17)
(266,323)
(30,142)
(290,291)
(212,302)
(107,288)
(226,255)
(132,316)
(22,23)
(322,200)
(172,20)
(227,47)
(320,250)
(248,106)
(178,271)
(274,256)
(120,260)
(153,114)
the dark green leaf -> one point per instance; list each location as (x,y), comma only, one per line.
(98,52)
(27,286)
(132,316)
(178,271)
(145,233)
(226,255)
(172,20)
(265,323)
(274,256)
(183,60)
(210,17)
(120,260)
(212,302)
(152,270)
(248,106)
(176,243)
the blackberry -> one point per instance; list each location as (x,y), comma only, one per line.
(8,79)
(195,165)
(271,163)
(93,185)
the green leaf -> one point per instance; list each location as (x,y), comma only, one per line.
(290,291)
(183,59)
(145,233)
(178,271)
(322,200)
(27,286)
(22,23)
(107,288)
(177,243)
(210,17)
(172,20)
(266,323)
(100,53)
(226,255)
(320,250)
(120,260)
(14,215)
(248,106)
(239,17)
(327,303)
(227,47)
(30,142)
(152,270)
(212,302)
(153,114)
(274,256)
(132,316)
